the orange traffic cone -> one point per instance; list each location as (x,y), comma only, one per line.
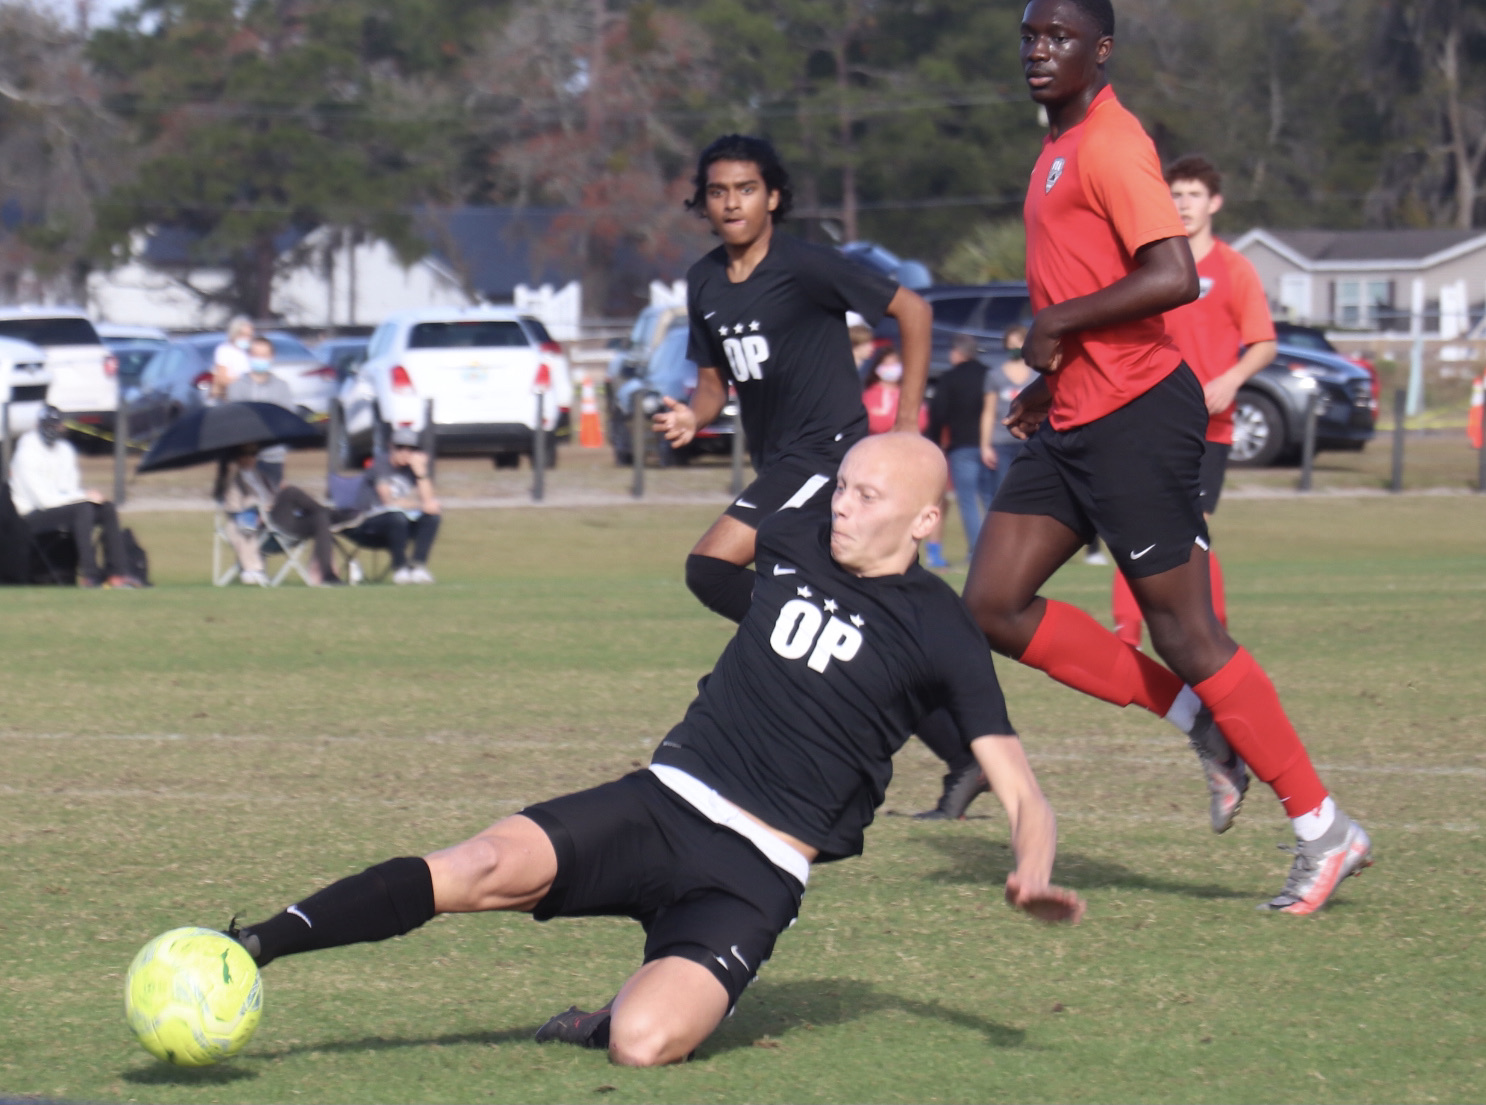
(1473,425)
(590,426)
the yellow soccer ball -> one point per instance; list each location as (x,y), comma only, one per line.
(193,997)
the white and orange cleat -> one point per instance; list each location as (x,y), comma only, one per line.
(1321,865)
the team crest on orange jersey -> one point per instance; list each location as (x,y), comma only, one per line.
(1054,171)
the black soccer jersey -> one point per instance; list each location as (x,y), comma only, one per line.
(826,678)
(780,338)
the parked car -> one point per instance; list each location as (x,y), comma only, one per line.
(342,354)
(311,382)
(672,374)
(174,381)
(985,311)
(84,384)
(1312,337)
(632,355)
(132,357)
(1269,419)
(116,333)
(24,379)
(480,367)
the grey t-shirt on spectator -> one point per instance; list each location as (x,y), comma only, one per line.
(247,389)
(1006,390)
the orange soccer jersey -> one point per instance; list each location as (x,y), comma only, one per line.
(1096,196)
(1230,312)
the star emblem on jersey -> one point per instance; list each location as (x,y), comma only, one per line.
(804,592)
(753,325)
(830,606)
(1054,171)
(738,329)
(858,621)
(722,331)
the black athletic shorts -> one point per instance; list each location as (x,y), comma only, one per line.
(807,485)
(1214,467)
(1132,477)
(633,848)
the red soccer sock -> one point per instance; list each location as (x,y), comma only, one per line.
(1127,617)
(1220,600)
(1248,712)
(1079,652)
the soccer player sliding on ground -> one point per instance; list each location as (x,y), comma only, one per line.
(1115,429)
(780,762)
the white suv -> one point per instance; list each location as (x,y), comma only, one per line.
(480,366)
(24,380)
(85,375)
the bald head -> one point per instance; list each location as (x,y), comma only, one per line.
(888,495)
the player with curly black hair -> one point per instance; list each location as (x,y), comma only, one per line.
(768,316)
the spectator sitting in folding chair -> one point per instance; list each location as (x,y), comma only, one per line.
(260,385)
(240,489)
(46,484)
(404,509)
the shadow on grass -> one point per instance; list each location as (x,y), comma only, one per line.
(163,1074)
(988,862)
(777,1008)
(389,1043)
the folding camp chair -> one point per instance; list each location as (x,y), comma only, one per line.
(256,525)
(349,500)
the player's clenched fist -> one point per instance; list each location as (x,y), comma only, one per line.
(1046,902)
(678,422)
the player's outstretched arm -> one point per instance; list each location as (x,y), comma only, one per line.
(680,421)
(915,333)
(1034,831)
(1165,276)
(1222,390)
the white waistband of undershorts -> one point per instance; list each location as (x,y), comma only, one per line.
(715,808)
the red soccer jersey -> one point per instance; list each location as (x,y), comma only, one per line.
(1096,196)
(1230,312)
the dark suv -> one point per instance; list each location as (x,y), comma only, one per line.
(984,311)
(1269,419)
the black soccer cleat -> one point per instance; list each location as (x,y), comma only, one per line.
(248,940)
(577,1027)
(960,789)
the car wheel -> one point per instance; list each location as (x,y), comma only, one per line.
(346,455)
(1258,431)
(506,460)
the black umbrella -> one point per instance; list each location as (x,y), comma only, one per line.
(204,434)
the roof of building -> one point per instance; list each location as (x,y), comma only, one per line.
(1331,249)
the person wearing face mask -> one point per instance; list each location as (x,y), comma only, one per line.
(46,484)
(231,357)
(881,394)
(259,385)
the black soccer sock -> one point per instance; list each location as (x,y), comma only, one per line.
(938,730)
(724,587)
(387,900)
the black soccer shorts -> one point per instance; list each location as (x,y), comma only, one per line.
(789,483)
(1132,477)
(633,848)
(1214,468)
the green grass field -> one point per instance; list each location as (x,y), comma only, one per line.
(174,756)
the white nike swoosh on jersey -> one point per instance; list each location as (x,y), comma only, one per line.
(708,315)
(745,504)
(1142,552)
(740,959)
(294,909)
(781,570)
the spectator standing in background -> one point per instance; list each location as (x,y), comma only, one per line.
(259,385)
(954,425)
(231,357)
